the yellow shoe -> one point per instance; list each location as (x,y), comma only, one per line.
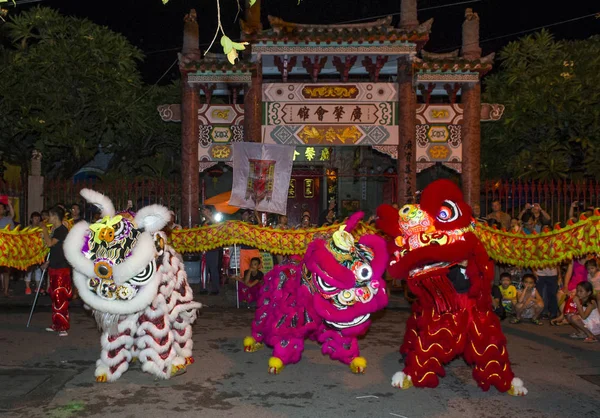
(102,378)
(178,370)
(401,381)
(517,388)
(358,365)
(251,345)
(275,365)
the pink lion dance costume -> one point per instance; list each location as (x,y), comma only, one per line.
(328,297)
(428,241)
(137,287)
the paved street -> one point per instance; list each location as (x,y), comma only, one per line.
(42,375)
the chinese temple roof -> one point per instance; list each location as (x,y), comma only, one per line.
(362,35)
(450,66)
(215,68)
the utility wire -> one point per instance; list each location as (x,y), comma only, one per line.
(398,13)
(20,2)
(151,87)
(339,23)
(441,50)
(524,31)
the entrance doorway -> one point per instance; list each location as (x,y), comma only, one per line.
(304,195)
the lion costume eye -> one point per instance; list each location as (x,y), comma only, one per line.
(363,272)
(449,212)
(145,275)
(325,286)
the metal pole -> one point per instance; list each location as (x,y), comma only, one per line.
(37,293)
(237,269)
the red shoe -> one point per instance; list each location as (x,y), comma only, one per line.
(28,291)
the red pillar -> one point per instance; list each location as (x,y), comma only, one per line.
(407,176)
(190,101)
(190,167)
(253,106)
(471,142)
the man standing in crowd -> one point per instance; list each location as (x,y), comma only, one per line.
(59,272)
(547,287)
(211,257)
(7,215)
(502,218)
(76,213)
(477,214)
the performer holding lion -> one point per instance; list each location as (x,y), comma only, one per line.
(435,248)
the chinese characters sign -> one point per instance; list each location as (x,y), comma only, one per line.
(313,154)
(348,114)
(330,114)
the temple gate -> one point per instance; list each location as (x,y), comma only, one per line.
(344,95)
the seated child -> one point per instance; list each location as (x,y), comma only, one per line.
(509,292)
(250,282)
(529,302)
(587,319)
(593,274)
(497,303)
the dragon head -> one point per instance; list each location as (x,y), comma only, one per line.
(115,260)
(434,234)
(345,277)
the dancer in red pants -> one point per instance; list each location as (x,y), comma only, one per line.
(58,271)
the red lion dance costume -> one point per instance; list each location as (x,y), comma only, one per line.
(429,240)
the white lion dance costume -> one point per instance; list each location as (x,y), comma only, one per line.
(137,287)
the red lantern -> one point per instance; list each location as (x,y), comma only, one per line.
(215,172)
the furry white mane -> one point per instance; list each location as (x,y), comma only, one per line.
(98,199)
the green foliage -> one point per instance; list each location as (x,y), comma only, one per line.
(157,151)
(550,128)
(69,86)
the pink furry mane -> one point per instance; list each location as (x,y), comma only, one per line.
(353,220)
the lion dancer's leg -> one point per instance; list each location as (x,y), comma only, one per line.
(486,351)
(155,340)
(183,312)
(263,317)
(432,340)
(341,348)
(411,335)
(286,350)
(61,292)
(118,349)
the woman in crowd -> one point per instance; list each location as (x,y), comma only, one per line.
(576,273)
(586,320)
(537,216)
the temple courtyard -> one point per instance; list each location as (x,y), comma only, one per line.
(42,375)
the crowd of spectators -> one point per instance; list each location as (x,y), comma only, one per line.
(564,295)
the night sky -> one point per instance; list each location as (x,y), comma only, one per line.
(157,29)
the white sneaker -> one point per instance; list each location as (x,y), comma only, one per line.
(63,334)
(50,330)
